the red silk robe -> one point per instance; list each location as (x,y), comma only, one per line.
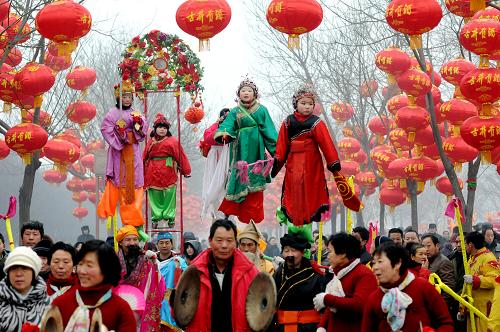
(305,194)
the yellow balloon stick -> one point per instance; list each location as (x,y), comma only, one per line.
(9,233)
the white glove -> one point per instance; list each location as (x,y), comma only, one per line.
(320,329)
(468,279)
(277,261)
(319,301)
(150,255)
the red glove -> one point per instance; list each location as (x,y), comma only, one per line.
(137,120)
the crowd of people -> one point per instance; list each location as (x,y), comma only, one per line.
(381,288)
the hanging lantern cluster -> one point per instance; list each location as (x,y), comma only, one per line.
(81,112)
(63,153)
(81,78)
(294,18)
(393,61)
(53,176)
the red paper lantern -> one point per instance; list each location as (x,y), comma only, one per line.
(57,63)
(382,158)
(392,61)
(416,65)
(412,118)
(81,78)
(61,152)
(63,22)
(4,149)
(360,157)
(397,102)
(399,140)
(54,176)
(481,36)
(392,197)
(63,49)
(26,138)
(436,78)
(420,169)
(395,170)
(350,168)
(454,70)
(12,26)
(13,58)
(342,111)
(483,133)
(458,151)
(45,118)
(79,197)
(381,125)
(294,17)
(368,88)
(483,86)
(88,161)
(440,167)
(459,7)
(424,136)
(93,197)
(347,131)
(89,184)
(413,17)
(74,184)
(24,102)
(81,112)
(489,13)
(95,145)
(414,82)
(443,185)
(4,9)
(194,115)
(203,19)
(349,146)
(80,212)
(431,151)
(367,180)
(457,110)
(436,97)
(34,79)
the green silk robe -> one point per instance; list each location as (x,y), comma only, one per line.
(251,132)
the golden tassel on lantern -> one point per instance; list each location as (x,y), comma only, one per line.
(486,157)
(415,42)
(26,157)
(458,167)
(37,103)
(293,41)
(392,209)
(411,136)
(420,186)
(402,183)
(391,80)
(204,45)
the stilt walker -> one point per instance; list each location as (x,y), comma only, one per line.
(163,156)
(123,128)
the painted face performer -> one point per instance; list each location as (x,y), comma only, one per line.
(251,132)
(163,155)
(123,128)
(303,139)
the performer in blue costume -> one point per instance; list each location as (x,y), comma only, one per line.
(171,269)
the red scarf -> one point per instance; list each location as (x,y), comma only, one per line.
(60,283)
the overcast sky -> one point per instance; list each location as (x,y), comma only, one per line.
(230,55)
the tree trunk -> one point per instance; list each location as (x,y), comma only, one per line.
(412,189)
(26,190)
(471,192)
(382,219)
(342,218)
(333,219)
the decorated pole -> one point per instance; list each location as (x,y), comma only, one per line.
(181,212)
(11,212)
(454,210)
(320,243)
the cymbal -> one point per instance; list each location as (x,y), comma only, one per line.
(187,296)
(261,302)
(52,320)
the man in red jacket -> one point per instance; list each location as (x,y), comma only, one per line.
(225,276)
(402,302)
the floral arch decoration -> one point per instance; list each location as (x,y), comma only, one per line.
(160,61)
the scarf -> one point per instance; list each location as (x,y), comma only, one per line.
(55,285)
(334,287)
(80,319)
(395,302)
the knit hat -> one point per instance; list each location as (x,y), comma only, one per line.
(42,248)
(161,119)
(296,241)
(23,256)
(127,87)
(249,83)
(124,231)
(305,91)
(188,236)
(164,236)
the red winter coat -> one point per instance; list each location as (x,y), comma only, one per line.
(242,274)
(157,174)
(116,312)
(358,285)
(420,271)
(427,307)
